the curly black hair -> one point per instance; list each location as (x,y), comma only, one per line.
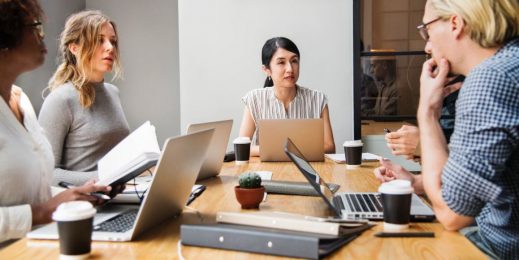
(14,15)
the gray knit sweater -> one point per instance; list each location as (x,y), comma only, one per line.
(81,136)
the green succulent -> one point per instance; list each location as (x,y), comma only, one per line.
(249,180)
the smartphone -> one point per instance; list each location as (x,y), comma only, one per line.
(387,131)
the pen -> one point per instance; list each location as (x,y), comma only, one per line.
(195,194)
(404,234)
(99,195)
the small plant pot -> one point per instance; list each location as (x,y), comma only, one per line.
(249,198)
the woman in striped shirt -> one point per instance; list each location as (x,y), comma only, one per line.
(281,97)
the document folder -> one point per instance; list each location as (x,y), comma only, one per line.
(263,240)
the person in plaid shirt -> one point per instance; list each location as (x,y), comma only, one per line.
(473,183)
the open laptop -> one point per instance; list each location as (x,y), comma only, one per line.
(169,190)
(216,152)
(352,205)
(308,133)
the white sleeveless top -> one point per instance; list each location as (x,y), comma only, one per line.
(263,104)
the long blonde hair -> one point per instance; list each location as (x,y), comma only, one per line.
(83,29)
(490,23)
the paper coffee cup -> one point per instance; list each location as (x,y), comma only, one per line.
(396,202)
(353,153)
(74,228)
(242,150)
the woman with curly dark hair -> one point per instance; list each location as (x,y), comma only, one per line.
(26,160)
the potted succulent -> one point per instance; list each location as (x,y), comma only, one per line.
(249,192)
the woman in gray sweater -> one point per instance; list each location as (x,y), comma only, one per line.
(82,116)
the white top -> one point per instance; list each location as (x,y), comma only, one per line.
(263,104)
(26,165)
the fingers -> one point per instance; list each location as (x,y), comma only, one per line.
(386,163)
(379,173)
(383,175)
(444,69)
(428,68)
(452,88)
(74,194)
(90,187)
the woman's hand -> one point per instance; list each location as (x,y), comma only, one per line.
(404,141)
(42,213)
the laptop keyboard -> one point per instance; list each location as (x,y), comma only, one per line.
(120,223)
(360,202)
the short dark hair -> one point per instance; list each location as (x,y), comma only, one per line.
(14,16)
(270,47)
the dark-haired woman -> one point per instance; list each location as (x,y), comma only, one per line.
(281,97)
(26,161)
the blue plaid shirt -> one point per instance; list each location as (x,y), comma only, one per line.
(481,177)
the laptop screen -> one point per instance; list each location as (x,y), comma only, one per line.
(308,171)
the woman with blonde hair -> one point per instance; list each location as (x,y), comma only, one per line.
(26,161)
(82,116)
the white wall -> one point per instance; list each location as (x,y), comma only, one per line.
(148,39)
(220,55)
(56,12)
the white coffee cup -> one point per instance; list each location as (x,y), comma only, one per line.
(74,220)
(396,200)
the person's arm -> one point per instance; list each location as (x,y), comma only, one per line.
(56,119)
(434,145)
(329,143)
(404,141)
(247,129)
(42,213)
(15,221)
(74,177)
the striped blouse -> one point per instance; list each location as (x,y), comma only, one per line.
(263,104)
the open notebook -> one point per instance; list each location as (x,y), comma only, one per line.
(129,158)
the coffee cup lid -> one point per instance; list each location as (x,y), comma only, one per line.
(73,210)
(242,140)
(353,143)
(396,187)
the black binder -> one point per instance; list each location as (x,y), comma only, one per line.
(266,240)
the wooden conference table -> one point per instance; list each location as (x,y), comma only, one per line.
(162,242)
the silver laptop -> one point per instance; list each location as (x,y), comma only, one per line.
(216,152)
(169,190)
(308,133)
(352,205)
